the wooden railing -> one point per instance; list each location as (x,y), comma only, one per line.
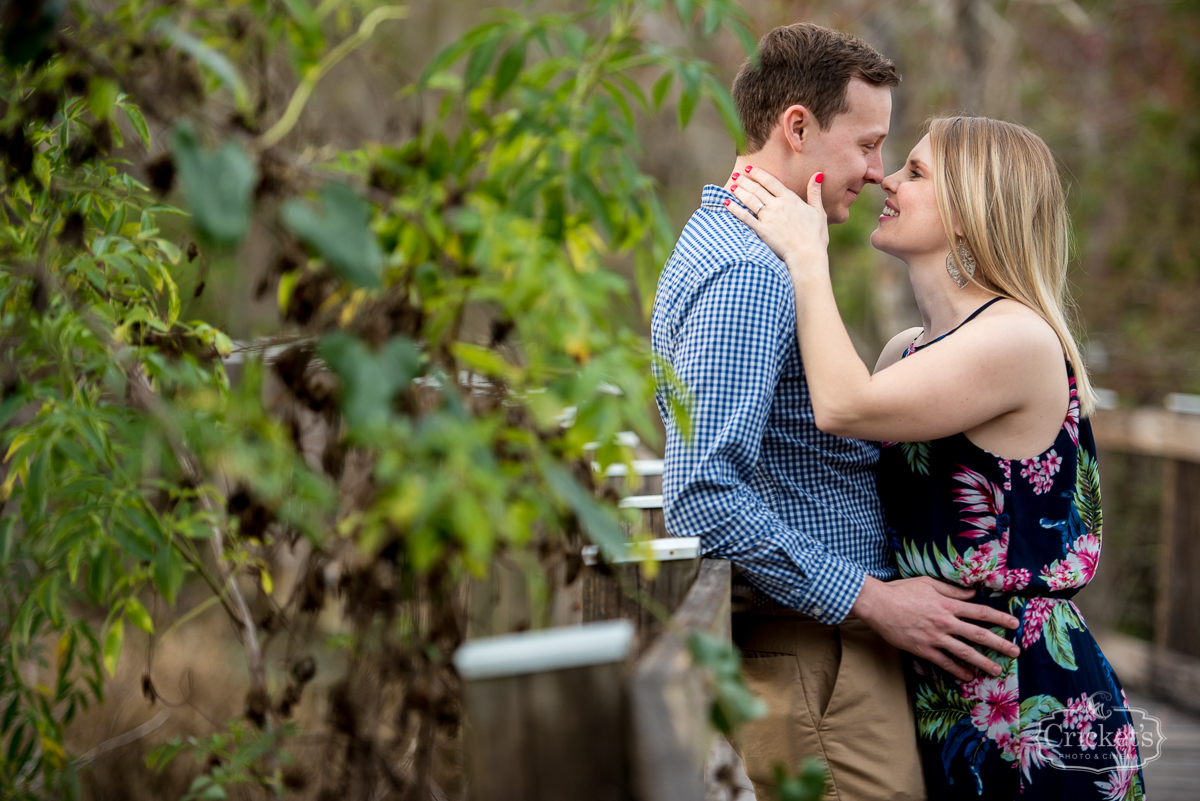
(1173,437)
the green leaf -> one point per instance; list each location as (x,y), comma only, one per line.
(138,615)
(102,96)
(484,360)
(213,60)
(112,645)
(9,406)
(510,67)
(340,233)
(733,704)
(599,522)
(134,115)
(453,52)
(690,96)
(1056,632)
(724,105)
(661,87)
(369,380)
(576,41)
(917,456)
(1087,494)
(7,525)
(1036,707)
(162,756)
(807,785)
(217,183)
(939,709)
(481,59)
(168,573)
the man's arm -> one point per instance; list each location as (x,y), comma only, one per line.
(727,352)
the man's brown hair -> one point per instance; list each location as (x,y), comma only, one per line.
(808,65)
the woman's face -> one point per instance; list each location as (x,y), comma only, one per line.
(910,226)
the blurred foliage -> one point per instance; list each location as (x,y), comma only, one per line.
(808,784)
(448,363)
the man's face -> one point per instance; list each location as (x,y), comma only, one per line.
(849,151)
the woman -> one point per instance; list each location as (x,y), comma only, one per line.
(988,473)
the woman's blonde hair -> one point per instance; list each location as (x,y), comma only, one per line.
(1000,182)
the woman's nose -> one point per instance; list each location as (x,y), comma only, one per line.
(889,183)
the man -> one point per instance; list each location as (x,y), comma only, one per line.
(794,508)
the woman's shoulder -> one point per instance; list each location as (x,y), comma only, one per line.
(1012,326)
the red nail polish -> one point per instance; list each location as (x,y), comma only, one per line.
(820,177)
(735,176)
(735,186)
(726,202)
(748,169)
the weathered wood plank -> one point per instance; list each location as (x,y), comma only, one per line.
(547,714)
(1175,678)
(1149,431)
(1178,603)
(669,703)
(607,589)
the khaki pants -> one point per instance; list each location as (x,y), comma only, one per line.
(833,692)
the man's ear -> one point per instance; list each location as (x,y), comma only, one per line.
(796,122)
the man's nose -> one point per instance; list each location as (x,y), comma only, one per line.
(875,167)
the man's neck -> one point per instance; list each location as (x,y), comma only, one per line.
(770,162)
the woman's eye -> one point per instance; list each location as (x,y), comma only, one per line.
(914,174)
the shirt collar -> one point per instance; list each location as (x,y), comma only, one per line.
(713,198)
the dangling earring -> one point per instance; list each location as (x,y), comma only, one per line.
(968,263)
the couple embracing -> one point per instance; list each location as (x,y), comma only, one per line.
(911,536)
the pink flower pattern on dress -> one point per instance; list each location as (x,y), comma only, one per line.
(1006,466)
(1028,749)
(999,707)
(1037,612)
(1072,422)
(982,498)
(1077,567)
(1080,712)
(1116,785)
(1040,471)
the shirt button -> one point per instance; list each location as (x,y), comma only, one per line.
(816,610)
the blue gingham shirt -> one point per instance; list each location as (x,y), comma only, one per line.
(759,483)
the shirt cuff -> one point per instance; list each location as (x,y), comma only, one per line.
(833,590)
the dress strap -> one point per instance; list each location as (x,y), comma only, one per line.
(913,348)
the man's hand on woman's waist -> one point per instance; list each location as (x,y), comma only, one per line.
(927,617)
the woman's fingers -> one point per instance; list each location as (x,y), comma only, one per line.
(768,182)
(748,197)
(743,215)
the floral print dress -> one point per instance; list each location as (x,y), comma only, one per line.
(1026,534)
